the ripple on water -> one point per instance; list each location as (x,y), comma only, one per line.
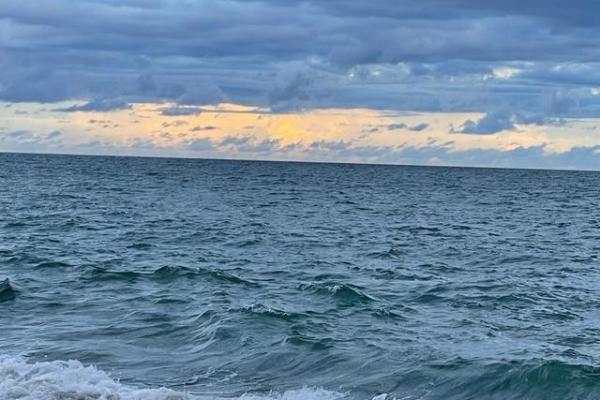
(262,311)
(170,273)
(344,293)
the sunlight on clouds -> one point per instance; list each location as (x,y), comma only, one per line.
(237,131)
(502,73)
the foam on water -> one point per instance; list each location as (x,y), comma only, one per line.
(71,380)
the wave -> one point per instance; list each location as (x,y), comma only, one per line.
(71,380)
(174,272)
(519,379)
(7,292)
(24,379)
(269,312)
(342,292)
(166,274)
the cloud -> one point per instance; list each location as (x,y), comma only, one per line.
(140,143)
(250,144)
(203,128)
(500,120)
(415,128)
(265,146)
(100,105)
(174,123)
(330,145)
(430,55)
(490,123)
(291,93)
(54,135)
(177,111)
(419,127)
(18,136)
(235,140)
(25,140)
(584,157)
(348,152)
(200,144)
(24,136)
(289,58)
(392,127)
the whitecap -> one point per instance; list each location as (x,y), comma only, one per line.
(71,380)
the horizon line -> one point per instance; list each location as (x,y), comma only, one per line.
(349,163)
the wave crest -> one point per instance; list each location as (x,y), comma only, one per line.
(342,292)
(7,292)
(71,380)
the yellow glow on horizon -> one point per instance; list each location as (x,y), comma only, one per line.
(147,124)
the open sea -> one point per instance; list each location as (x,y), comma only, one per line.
(141,278)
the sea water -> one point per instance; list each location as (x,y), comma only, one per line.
(140,278)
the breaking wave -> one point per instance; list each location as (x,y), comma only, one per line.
(71,380)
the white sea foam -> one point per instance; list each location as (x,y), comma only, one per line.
(71,380)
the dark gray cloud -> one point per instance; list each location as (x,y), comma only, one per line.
(501,120)
(419,127)
(428,55)
(250,144)
(393,127)
(203,128)
(415,128)
(292,92)
(490,123)
(101,105)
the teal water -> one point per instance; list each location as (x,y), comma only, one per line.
(137,278)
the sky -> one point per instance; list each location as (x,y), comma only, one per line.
(430,82)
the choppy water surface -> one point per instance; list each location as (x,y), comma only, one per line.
(167,279)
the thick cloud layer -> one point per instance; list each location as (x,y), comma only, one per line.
(535,56)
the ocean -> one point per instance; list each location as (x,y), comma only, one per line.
(141,278)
